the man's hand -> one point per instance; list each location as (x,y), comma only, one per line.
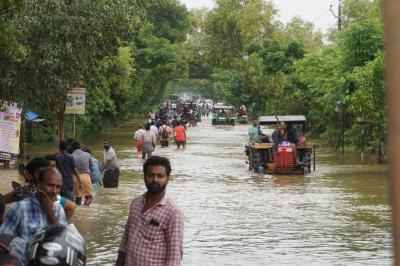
(47,205)
(79,183)
(15,184)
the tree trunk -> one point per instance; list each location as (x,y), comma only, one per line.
(54,122)
(61,124)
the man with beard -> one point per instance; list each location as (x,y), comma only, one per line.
(154,231)
(27,217)
(110,166)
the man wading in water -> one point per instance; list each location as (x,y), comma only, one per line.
(110,166)
(154,231)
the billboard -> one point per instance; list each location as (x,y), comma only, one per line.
(76,101)
(10,128)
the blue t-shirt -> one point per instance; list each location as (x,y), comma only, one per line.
(254,134)
(95,174)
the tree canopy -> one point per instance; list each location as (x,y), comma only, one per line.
(130,54)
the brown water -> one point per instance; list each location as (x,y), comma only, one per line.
(337,215)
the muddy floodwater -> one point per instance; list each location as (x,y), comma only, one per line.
(337,215)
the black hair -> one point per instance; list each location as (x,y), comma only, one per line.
(86,149)
(35,164)
(75,145)
(43,171)
(147,127)
(157,160)
(50,157)
(178,123)
(63,145)
(108,140)
(2,206)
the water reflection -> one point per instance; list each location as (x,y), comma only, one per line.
(337,215)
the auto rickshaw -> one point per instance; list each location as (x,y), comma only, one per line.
(223,115)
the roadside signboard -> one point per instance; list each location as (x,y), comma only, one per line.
(10,126)
(76,101)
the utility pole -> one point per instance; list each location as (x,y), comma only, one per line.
(343,116)
(338,16)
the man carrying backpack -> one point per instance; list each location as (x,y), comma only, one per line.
(164,132)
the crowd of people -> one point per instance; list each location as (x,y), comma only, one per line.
(161,126)
(55,185)
(34,230)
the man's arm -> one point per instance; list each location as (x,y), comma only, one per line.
(249,131)
(90,165)
(76,173)
(8,198)
(18,193)
(104,166)
(69,208)
(174,239)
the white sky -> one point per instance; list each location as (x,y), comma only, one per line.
(316,11)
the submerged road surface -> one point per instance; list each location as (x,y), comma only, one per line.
(338,215)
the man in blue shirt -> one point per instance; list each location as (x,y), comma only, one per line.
(25,218)
(254,132)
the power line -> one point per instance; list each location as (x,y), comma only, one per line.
(325,12)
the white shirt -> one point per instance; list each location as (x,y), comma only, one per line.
(112,156)
(154,130)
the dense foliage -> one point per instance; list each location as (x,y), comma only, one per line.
(123,52)
(129,54)
(253,59)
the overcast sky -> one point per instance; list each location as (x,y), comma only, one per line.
(316,11)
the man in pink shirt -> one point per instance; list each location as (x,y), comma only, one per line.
(154,231)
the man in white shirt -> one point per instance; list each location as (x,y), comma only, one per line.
(110,166)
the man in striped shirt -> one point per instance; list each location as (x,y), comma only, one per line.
(154,231)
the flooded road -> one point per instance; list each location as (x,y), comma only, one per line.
(337,215)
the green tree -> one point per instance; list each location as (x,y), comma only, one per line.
(11,49)
(65,41)
(170,18)
(233,25)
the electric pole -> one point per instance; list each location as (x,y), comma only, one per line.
(338,16)
(342,109)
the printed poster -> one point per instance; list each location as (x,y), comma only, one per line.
(10,128)
(76,101)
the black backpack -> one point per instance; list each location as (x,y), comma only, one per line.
(164,133)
